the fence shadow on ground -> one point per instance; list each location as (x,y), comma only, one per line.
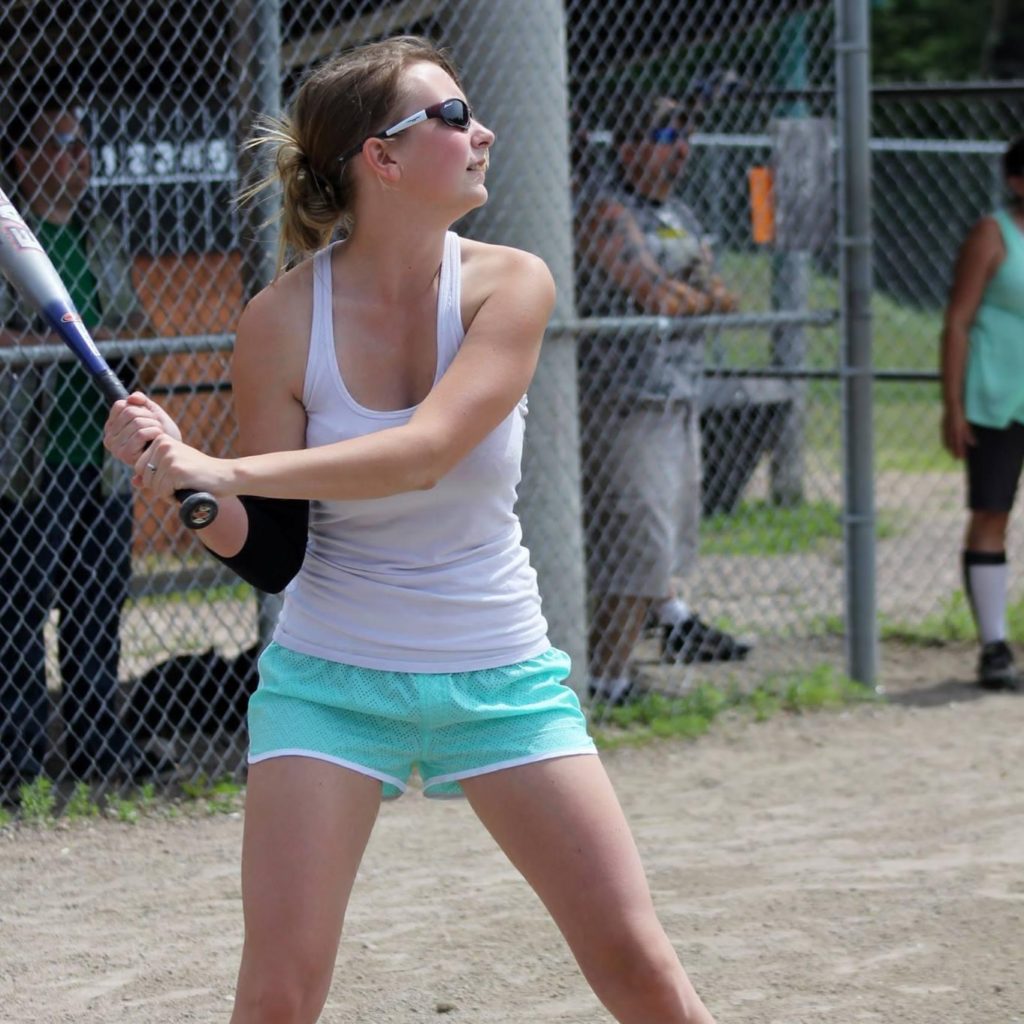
(949,691)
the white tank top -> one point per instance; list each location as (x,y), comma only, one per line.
(425,581)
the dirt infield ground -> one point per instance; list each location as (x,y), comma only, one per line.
(862,866)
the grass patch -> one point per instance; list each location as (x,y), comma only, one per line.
(827,625)
(690,715)
(952,623)
(123,809)
(80,805)
(907,423)
(220,796)
(761,528)
(905,429)
(37,802)
(925,458)
(197,596)
(143,802)
(905,337)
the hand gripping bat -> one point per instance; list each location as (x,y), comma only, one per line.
(24,263)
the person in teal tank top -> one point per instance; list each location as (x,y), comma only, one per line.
(983,407)
(65,532)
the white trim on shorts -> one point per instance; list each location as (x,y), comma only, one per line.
(340,761)
(469,773)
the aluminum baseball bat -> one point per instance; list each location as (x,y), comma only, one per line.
(25,264)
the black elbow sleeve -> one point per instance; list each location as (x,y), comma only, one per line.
(275,544)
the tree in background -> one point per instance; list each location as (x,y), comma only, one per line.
(1003,55)
(946,40)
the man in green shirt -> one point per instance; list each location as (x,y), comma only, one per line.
(65,526)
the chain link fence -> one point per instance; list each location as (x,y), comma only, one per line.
(698,334)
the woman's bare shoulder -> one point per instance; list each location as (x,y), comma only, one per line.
(487,256)
(983,244)
(273,330)
(985,232)
(492,271)
(280,309)
(279,297)
(487,267)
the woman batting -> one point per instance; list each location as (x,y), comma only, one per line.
(381,380)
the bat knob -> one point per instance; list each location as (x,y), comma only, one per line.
(198,509)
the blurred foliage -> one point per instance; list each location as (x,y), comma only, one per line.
(946,40)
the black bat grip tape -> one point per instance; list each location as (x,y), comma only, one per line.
(197,508)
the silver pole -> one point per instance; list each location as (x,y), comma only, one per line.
(519,88)
(790,286)
(854,101)
(258,60)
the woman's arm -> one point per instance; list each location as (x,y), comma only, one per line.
(612,240)
(979,258)
(482,386)
(267,367)
(264,540)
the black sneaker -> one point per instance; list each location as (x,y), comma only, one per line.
(996,670)
(694,640)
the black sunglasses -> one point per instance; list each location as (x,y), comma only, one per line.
(667,134)
(455,113)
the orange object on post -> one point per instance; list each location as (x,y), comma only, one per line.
(762,205)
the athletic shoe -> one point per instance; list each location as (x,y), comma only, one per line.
(694,640)
(996,670)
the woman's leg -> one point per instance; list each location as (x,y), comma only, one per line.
(993,466)
(615,629)
(561,825)
(985,573)
(307,823)
(986,531)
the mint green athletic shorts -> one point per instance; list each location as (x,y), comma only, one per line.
(450,726)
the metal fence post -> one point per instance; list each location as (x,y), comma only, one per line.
(790,286)
(258,58)
(854,104)
(520,89)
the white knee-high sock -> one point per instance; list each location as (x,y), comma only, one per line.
(985,577)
